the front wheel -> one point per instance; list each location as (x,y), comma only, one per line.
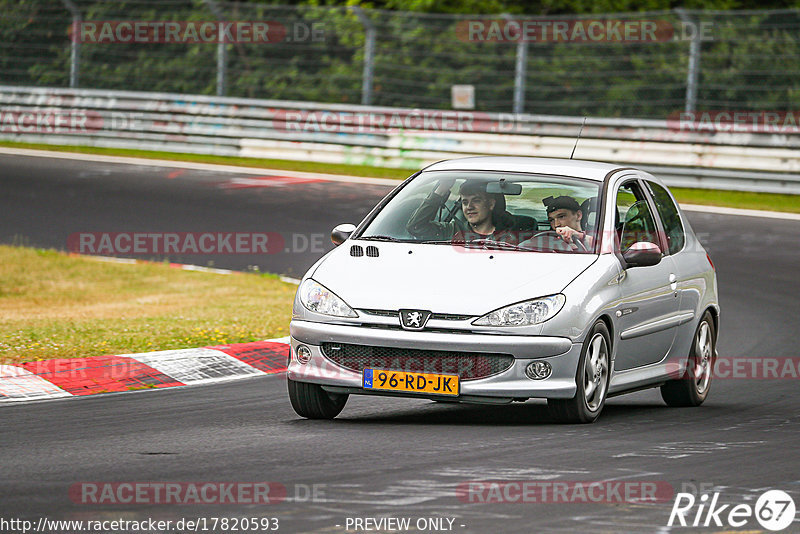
(592,378)
(313,402)
(692,388)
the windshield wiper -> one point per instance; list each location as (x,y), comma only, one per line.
(476,243)
(380,238)
(491,243)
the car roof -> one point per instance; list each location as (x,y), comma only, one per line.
(593,170)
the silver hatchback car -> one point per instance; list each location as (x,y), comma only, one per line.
(501,279)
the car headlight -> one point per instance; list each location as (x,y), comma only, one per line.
(526,313)
(319,299)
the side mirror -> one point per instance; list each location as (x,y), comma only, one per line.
(642,254)
(341,232)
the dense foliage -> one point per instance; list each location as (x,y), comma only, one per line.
(746,63)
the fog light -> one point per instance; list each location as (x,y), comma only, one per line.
(303,354)
(538,370)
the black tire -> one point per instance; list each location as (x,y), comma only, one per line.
(313,402)
(692,388)
(580,409)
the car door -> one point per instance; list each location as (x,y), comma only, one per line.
(648,312)
(691,284)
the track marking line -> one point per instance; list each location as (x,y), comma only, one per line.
(153,371)
(743,212)
(197,366)
(267,181)
(187,165)
(19,384)
(99,374)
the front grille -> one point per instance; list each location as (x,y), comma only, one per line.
(382,313)
(467,365)
(439,316)
(450,317)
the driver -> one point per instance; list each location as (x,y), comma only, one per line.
(477,205)
(565,215)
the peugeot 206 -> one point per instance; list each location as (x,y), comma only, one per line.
(497,279)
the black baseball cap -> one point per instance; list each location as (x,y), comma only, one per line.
(562,202)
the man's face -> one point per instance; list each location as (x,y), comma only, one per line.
(477,208)
(565,217)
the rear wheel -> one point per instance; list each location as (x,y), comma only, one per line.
(593,375)
(692,388)
(313,402)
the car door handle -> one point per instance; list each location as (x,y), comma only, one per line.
(673,283)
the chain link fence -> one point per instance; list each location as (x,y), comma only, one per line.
(581,65)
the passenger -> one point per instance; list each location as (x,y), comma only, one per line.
(565,216)
(478,207)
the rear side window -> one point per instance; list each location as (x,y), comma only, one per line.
(669,217)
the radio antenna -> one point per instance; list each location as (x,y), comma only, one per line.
(578,139)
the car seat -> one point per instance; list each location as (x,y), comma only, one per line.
(589,210)
(507,220)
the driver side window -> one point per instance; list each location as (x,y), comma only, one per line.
(635,221)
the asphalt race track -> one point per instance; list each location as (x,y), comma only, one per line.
(47,200)
(387,457)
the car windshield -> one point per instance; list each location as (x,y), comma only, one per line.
(504,211)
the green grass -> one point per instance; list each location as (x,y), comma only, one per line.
(54,305)
(710,197)
(738,199)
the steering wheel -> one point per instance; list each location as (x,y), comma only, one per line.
(556,236)
(580,244)
(546,232)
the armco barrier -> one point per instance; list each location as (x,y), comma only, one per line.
(746,161)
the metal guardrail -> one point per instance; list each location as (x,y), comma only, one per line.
(391,137)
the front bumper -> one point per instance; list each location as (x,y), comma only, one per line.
(562,354)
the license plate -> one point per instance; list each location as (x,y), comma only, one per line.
(432,383)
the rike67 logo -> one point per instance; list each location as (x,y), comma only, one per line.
(774,510)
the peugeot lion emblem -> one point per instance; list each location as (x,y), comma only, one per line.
(414,319)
